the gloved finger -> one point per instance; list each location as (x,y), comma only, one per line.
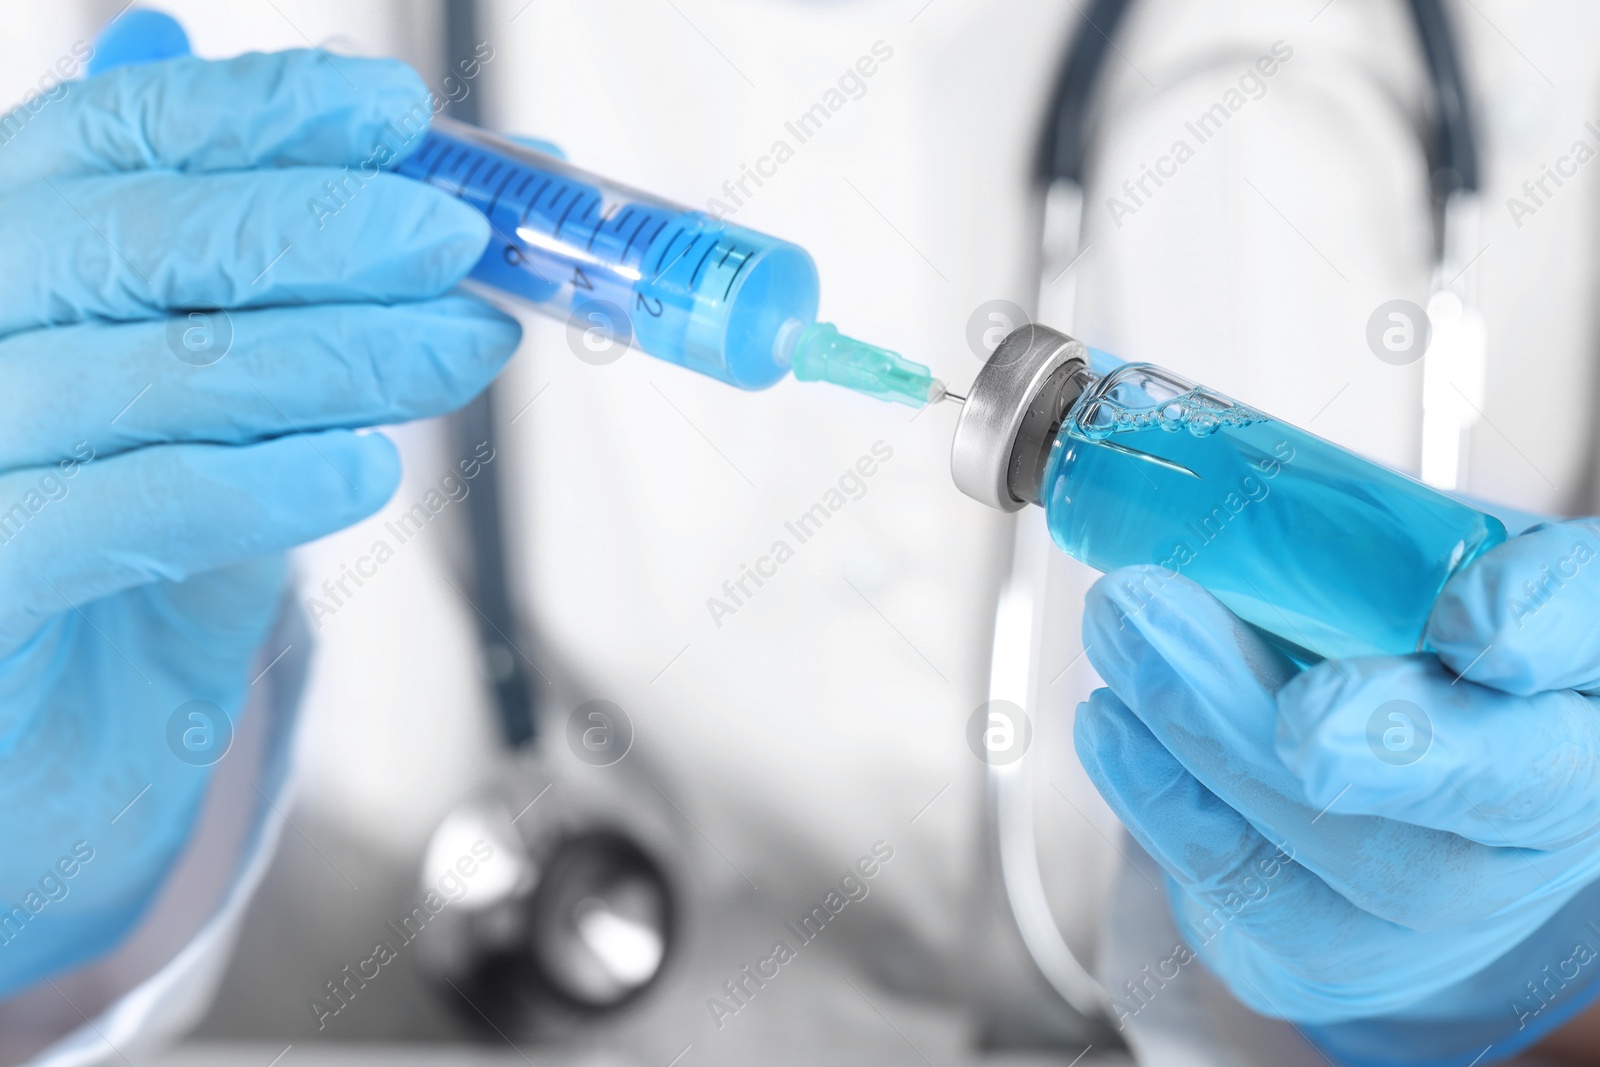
(1285,942)
(169,512)
(1212,852)
(1525,617)
(286,109)
(277,371)
(1204,684)
(137,246)
(1403,738)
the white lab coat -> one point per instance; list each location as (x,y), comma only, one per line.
(828,712)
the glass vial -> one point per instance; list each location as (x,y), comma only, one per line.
(1334,554)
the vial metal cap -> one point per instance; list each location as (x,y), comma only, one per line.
(997,407)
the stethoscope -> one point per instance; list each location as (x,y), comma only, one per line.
(588,923)
(1454,361)
(1452,388)
(1452,395)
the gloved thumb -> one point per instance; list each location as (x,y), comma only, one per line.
(1525,617)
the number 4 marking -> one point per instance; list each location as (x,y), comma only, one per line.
(581,280)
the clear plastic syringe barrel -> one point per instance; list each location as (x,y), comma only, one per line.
(678,284)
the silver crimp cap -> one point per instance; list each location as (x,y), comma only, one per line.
(986,432)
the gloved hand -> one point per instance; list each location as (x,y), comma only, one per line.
(1401,852)
(156,462)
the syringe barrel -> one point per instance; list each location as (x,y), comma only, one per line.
(678,284)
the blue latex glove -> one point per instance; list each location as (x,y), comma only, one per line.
(138,35)
(1399,852)
(146,499)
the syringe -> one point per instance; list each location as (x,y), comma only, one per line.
(678,284)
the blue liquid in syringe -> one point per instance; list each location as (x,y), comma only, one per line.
(685,287)
(1294,534)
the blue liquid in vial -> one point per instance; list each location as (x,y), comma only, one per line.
(1334,554)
